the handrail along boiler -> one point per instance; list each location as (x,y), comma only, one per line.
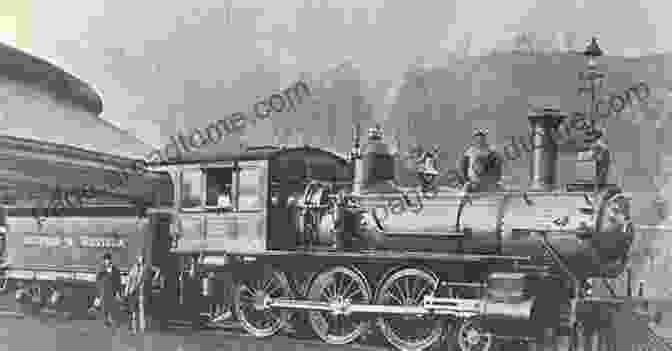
(309,232)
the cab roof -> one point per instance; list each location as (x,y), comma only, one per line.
(253,153)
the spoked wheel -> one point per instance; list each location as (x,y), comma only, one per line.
(472,337)
(339,286)
(407,287)
(250,294)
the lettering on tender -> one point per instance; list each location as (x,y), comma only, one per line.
(101,242)
(42,241)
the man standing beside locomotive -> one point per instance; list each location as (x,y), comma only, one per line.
(108,281)
(140,277)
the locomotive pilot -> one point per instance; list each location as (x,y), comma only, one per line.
(481,165)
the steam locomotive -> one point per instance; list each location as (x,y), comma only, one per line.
(306,236)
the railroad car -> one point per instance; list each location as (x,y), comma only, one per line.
(53,237)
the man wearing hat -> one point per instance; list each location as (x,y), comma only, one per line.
(140,279)
(481,165)
(598,152)
(108,281)
(224,202)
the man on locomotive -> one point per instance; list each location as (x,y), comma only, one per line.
(224,199)
(480,165)
(481,169)
(599,153)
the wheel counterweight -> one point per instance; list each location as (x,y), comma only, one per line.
(339,286)
(249,298)
(407,287)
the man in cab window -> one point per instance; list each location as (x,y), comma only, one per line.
(224,203)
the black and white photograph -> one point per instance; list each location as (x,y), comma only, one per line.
(322,175)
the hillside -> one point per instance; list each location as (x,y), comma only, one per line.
(442,106)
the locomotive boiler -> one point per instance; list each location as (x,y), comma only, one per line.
(340,243)
(590,231)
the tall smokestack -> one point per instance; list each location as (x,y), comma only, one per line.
(543,163)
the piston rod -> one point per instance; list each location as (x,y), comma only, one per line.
(463,308)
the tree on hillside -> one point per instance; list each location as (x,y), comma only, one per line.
(542,43)
(570,40)
(465,50)
(344,103)
(524,42)
(409,104)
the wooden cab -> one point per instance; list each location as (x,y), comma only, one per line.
(260,184)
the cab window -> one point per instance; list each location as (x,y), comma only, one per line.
(250,190)
(192,188)
(219,188)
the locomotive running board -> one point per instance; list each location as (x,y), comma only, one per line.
(374,255)
(462,308)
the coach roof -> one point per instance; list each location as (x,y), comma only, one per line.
(21,66)
(249,154)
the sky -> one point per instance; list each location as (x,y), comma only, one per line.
(144,54)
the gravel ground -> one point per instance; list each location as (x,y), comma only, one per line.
(51,333)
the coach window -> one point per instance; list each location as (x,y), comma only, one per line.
(218,181)
(192,188)
(250,189)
